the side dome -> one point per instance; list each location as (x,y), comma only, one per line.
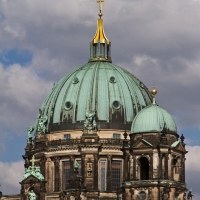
(112,92)
(153,119)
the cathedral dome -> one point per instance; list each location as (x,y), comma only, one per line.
(153,119)
(112,92)
(99,86)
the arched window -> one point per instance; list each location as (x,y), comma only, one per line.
(144,168)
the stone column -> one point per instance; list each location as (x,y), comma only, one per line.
(57,175)
(183,172)
(172,167)
(134,168)
(83,166)
(109,171)
(130,167)
(151,166)
(95,177)
(126,158)
(166,167)
(42,165)
(160,166)
(49,174)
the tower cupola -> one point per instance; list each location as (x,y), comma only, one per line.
(100,46)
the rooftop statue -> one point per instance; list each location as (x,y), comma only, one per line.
(76,165)
(31,195)
(90,123)
(30,130)
(42,123)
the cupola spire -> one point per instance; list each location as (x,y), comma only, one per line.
(100,46)
(154,92)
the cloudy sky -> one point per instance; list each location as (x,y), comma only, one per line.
(40,41)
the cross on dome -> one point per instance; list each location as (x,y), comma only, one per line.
(100,6)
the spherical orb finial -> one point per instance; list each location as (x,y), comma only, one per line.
(100,14)
(154,91)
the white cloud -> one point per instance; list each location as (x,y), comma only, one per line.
(193,170)
(10,176)
(22,93)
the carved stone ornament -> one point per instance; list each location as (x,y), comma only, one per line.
(90,123)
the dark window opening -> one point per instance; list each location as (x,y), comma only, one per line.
(66,174)
(102,50)
(67,136)
(94,50)
(144,168)
(116,136)
(116,174)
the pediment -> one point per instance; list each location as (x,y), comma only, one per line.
(180,147)
(142,144)
(30,178)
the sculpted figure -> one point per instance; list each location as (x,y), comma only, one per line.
(30,130)
(42,123)
(76,165)
(190,195)
(90,123)
(31,195)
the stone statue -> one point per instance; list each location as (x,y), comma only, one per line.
(90,123)
(31,195)
(76,165)
(189,196)
(30,130)
(42,124)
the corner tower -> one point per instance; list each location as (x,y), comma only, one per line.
(157,164)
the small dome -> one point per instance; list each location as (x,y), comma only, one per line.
(153,119)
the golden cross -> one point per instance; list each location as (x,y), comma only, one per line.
(33,161)
(100,4)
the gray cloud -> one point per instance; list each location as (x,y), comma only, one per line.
(11,177)
(158,41)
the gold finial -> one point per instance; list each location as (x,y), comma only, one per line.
(100,7)
(154,91)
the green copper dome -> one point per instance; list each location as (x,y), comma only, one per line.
(153,119)
(112,92)
(99,86)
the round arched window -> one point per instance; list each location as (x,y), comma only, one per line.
(112,79)
(116,105)
(68,105)
(75,80)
